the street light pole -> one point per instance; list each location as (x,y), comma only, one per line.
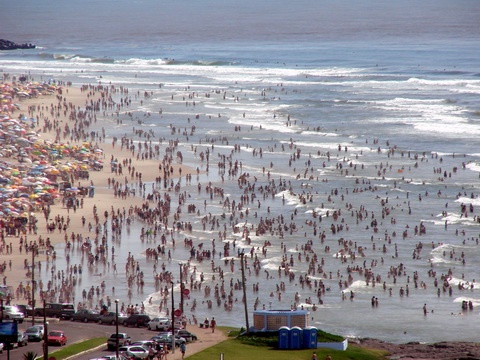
(242,255)
(45,330)
(33,283)
(173,321)
(181,288)
(116,328)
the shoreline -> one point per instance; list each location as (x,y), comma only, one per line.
(89,211)
(101,223)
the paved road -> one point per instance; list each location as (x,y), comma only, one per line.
(77,331)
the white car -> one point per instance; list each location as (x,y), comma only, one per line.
(11,312)
(139,352)
(111,357)
(35,333)
(159,324)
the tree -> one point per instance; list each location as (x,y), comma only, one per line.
(30,355)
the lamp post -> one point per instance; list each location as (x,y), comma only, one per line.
(45,330)
(116,328)
(34,250)
(181,287)
(173,321)
(242,256)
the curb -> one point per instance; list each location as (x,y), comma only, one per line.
(85,352)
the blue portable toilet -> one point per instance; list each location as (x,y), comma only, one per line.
(310,335)
(295,338)
(283,338)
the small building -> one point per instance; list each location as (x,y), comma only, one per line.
(273,320)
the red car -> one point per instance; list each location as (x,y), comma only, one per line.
(56,337)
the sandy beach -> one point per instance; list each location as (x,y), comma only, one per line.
(69,102)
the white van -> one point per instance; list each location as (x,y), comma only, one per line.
(159,324)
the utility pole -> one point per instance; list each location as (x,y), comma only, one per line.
(45,329)
(181,288)
(242,256)
(116,329)
(34,248)
(173,321)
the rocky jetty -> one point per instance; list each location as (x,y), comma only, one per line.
(10,45)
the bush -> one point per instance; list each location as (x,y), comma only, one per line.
(270,338)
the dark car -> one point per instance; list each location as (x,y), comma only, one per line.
(167,339)
(86,315)
(137,320)
(164,341)
(56,310)
(187,335)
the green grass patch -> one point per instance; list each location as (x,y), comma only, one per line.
(323,336)
(75,349)
(263,345)
(234,349)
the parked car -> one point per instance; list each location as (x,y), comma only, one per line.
(11,312)
(137,320)
(167,339)
(27,310)
(159,324)
(34,333)
(56,310)
(187,335)
(123,339)
(139,352)
(178,325)
(163,340)
(22,339)
(86,315)
(10,346)
(147,344)
(111,357)
(56,337)
(110,318)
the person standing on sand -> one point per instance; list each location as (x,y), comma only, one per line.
(183,348)
(425,309)
(213,323)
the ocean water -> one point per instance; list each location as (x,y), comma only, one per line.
(374,95)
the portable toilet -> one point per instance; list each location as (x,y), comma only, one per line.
(310,335)
(295,338)
(283,338)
